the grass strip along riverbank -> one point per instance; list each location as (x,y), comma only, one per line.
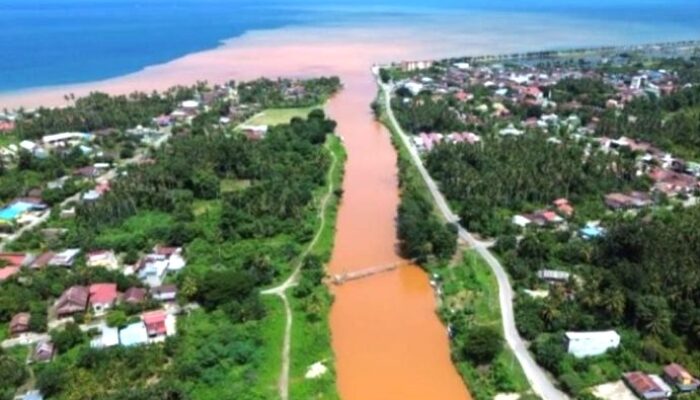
(305,363)
(467,289)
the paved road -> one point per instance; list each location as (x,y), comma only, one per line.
(25,340)
(538,378)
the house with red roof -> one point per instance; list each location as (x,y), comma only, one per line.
(679,377)
(648,387)
(7,272)
(159,325)
(102,297)
(74,300)
(564,207)
(134,295)
(16,259)
(673,183)
(6,126)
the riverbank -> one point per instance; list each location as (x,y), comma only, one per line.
(466,285)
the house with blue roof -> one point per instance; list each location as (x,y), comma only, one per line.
(592,231)
(134,335)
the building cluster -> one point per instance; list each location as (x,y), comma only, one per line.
(99,298)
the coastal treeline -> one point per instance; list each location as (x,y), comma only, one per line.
(99,111)
(288,93)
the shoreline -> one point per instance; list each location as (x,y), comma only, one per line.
(312,49)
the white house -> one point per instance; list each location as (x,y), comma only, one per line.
(103,258)
(586,344)
(510,131)
(414,87)
(108,337)
(521,221)
(66,258)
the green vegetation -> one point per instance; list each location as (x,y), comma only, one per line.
(311,301)
(236,242)
(275,116)
(424,236)
(470,307)
(425,114)
(489,182)
(285,93)
(640,279)
(101,111)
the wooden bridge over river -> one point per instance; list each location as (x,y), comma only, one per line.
(339,279)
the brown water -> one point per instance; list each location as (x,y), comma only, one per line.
(388,341)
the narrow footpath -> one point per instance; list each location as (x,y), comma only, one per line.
(292,280)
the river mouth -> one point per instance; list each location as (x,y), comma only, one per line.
(387,339)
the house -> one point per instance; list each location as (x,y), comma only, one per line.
(521,221)
(89,172)
(102,258)
(539,218)
(6,126)
(413,87)
(16,259)
(586,344)
(159,325)
(254,132)
(73,300)
(673,183)
(591,231)
(31,395)
(552,275)
(7,272)
(65,258)
(65,139)
(510,131)
(174,256)
(164,293)
(102,297)
(618,201)
(43,260)
(109,337)
(564,207)
(134,335)
(647,387)
(679,377)
(19,324)
(151,269)
(44,351)
(134,295)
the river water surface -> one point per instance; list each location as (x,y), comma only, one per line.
(388,341)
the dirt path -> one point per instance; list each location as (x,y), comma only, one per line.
(281,290)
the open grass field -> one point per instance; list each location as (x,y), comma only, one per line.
(275,116)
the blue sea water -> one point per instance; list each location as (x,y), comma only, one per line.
(54,42)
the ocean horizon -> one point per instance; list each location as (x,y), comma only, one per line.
(60,42)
